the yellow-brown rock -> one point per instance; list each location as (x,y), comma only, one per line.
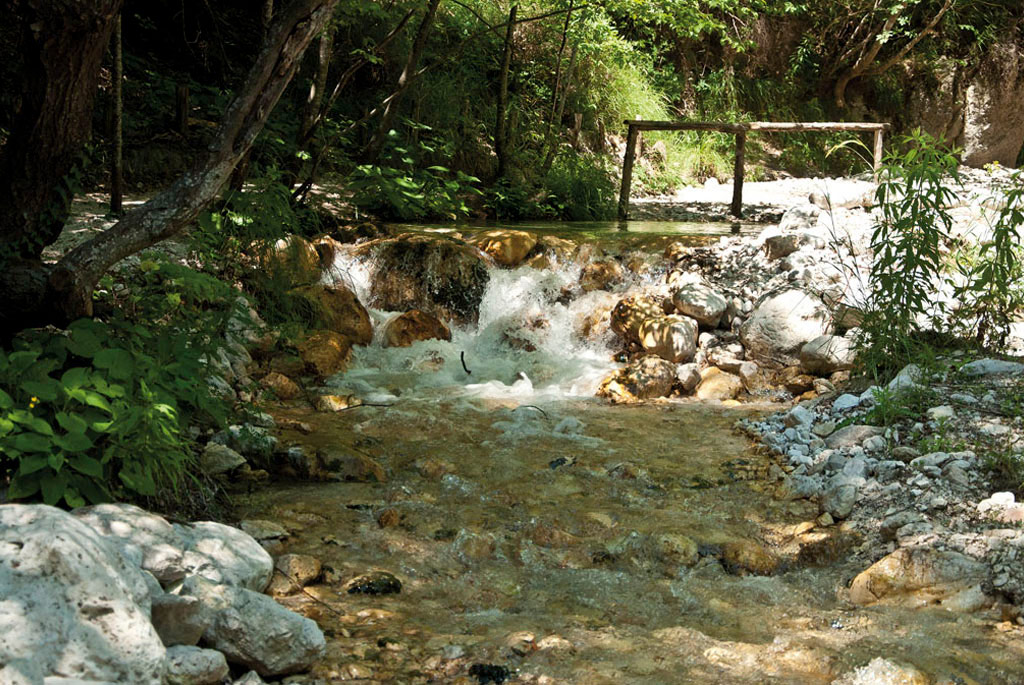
(716,384)
(671,337)
(334,403)
(631,312)
(284,388)
(647,377)
(923,577)
(506,247)
(325,353)
(749,558)
(413,326)
(292,259)
(601,275)
(340,310)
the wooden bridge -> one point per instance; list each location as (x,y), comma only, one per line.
(740,130)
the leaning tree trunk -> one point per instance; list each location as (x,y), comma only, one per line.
(71,282)
(62,45)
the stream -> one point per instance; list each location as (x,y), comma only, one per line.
(543,535)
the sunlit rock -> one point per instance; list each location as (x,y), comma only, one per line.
(782,324)
(923,577)
(671,337)
(414,326)
(506,247)
(339,310)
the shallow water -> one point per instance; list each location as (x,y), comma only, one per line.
(541,530)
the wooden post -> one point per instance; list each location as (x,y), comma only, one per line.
(878,151)
(627,172)
(737,175)
(181,109)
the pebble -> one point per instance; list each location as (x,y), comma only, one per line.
(846,402)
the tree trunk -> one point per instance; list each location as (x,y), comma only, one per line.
(419,43)
(62,45)
(117,154)
(71,282)
(500,137)
(315,98)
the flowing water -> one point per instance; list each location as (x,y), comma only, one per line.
(558,539)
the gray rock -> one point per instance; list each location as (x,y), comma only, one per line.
(688,376)
(799,487)
(845,402)
(799,218)
(85,621)
(856,468)
(827,354)
(672,337)
(852,436)
(217,458)
(195,666)
(250,678)
(137,532)
(255,631)
(261,529)
(908,377)
(252,442)
(894,522)
(179,619)
(839,499)
(889,470)
(699,301)
(782,324)
(223,554)
(874,444)
(798,416)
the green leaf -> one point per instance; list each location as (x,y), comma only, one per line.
(73,499)
(31,442)
(56,461)
(94,399)
(5,400)
(31,464)
(72,423)
(22,487)
(93,491)
(83,342)
(75,378)
(119,363)
(53,486)
(73,442)
(45,390)
(87,465)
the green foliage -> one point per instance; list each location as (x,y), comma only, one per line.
(913,195)
(581,187)
(401,188)
(895,406)
(98,412)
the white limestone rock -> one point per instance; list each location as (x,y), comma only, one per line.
(224,554)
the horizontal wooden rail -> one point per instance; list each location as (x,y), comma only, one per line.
(740,130)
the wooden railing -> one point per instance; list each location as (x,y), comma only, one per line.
(740,130)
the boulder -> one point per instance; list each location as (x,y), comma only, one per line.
(631,312)
(688,376)
(506,247)
(992,367)
(255,631)
(716,384)
(699,301)
(414,326)
(145,538)
(178,619)
(884,672)
(827,354)
(252,442)
(71,605)
(292,572)
(993,118)
(284,388)
(292,260)
(645,378)
(325,353)
(852,436)
(601,275)
(443,276)
(671,337)
(339,310)
(782,324)
(223,554)
(918,577)
(217,459)
(194,666)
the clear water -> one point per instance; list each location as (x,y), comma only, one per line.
(524,505)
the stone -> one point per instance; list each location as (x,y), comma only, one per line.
(353,466)
(675,548)
(798,416)
(688,376)
(292,259)
(284,388)
(852,436)
(335,403)
(194,666)
(941,413)
(993,129)
(414,326)
(992,367)
(223,554)
(748,558)
(178,620)
(827,354)
(252,442)
(506,247)
(918,577)
(292,573)
(645,378)
(780,326)
(139,535)
(262,529)
(699,301)
(845,402)
(71,605)
(909,376)
(840,498)
(824,428)
(716,384)
(254,631)
(881,671)
(601,275)
(670,337)
(339,310)
(216,459)
(435,274)
(631,312)
(325,353)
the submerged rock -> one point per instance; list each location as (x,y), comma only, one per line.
(414,326)
(375,583)
(601,275)
(923,577)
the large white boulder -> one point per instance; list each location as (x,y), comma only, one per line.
(699,301)
(827,354)
(140,535)
(782,324)
(224,554)
(70,603)
(255,631)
